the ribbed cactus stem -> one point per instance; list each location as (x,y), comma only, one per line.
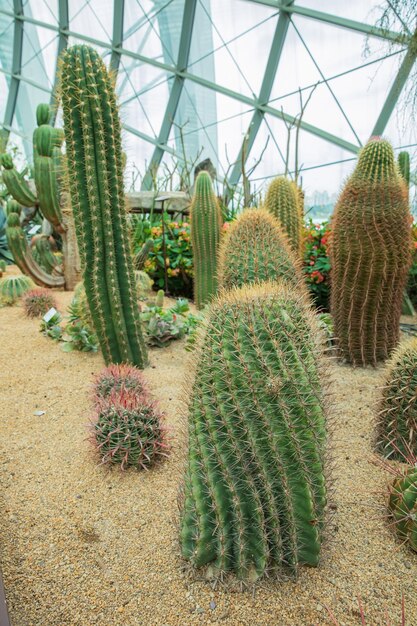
(256,249)
(370,251)
(143,254)
(94,155)
(206,221)
(254,493)
(15,183)
(283,202)
(397,419)
(47,142)
(402,504)
(404,165)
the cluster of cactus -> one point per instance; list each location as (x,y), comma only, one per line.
(24,258)
(37,302)
(128,428)
(397,419)
(14,287)
(402,504)
(49,197)
(254,496)
(94,154)
(255,249)
(370,254)
(206,222)
(284,200)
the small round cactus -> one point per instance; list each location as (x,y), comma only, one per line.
(115,377)
(128,431)
(402,504)
(397,419)
(37,302)
(14,287)
(255,249)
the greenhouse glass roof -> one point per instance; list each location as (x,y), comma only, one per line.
(224,79)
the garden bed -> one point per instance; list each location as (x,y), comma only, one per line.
(83,545)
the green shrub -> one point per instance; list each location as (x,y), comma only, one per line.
(316,263)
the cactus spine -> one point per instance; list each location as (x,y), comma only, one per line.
(402,504)
(397,420)
(206,221)
(93,139)
(404,165)
(283,201)
(255,249)
(254,493)
(370,254)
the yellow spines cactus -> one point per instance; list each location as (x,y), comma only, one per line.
(370,252)
(283,201)
(206,221)
(256,249)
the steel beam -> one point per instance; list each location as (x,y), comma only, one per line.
(176,90)
(336,20)
(281,30)
(397,86)
(117,39)
(16,69)
(63,25)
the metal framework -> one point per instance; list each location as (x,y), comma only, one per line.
(180,72)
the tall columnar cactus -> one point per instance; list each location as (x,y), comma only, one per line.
(93,140)
(404,165)
(256,249)
(47,143)
(402,504)
(254,495)
(283,201)
(397,419)
(370,254)
(15,183)
(23,257)
(206,221)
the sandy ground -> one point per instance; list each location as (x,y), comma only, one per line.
(82,545)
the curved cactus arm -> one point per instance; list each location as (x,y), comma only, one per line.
(15,183)
(23,256)
(94,155)
(143,254)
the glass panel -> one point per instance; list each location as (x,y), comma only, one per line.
(42,10)
(40,47)
(93,18)
(6,42)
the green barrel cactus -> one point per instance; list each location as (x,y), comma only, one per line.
(14,287)
(402,504)
(370,253)
(206,222)
(404,166)
(94,156)
(283,201)
(397,417)
(256,249)
(15,183)
(16,240)
(254,494)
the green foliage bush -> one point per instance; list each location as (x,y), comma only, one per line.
(317,263)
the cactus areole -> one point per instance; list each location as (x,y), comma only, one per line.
(94,154)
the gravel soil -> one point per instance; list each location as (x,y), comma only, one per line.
(83,545)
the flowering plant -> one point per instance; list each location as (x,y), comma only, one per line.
(316,262)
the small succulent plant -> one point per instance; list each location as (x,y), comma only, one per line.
(115,377)
(128,430)
(38,301)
